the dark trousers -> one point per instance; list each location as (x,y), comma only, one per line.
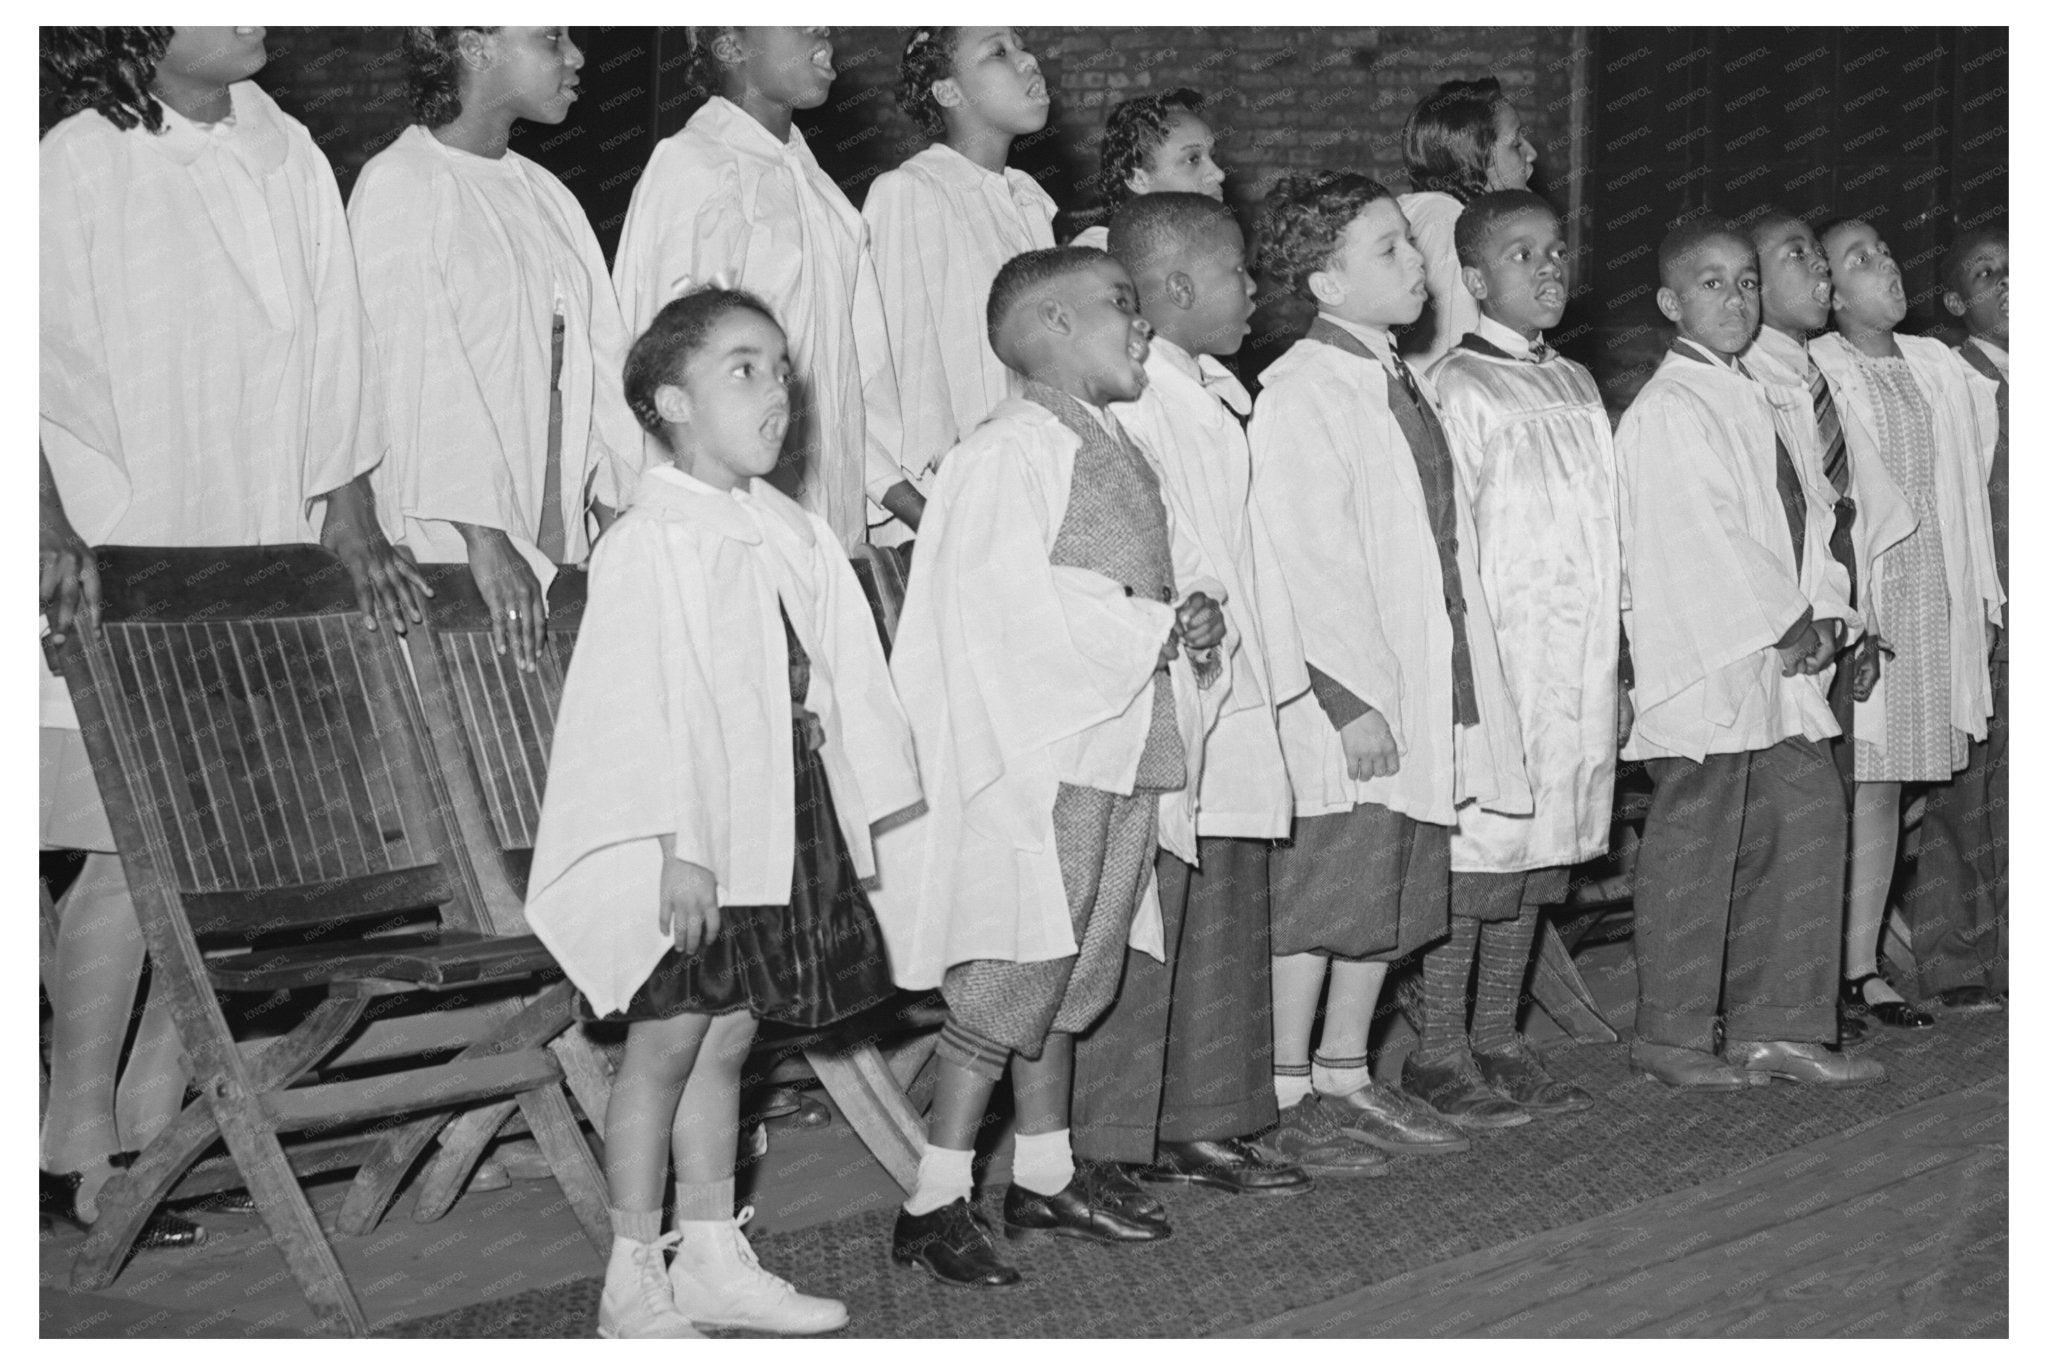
(1955,901)
(1186,1052)
(1739,898)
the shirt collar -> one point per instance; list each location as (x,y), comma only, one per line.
(738,127)
(1375,338)
(1995,353)
(1783,347)
(1212,374)
(1692,350)
(1507,338)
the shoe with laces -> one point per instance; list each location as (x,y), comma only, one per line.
(718,1283)
(637,1304)
(1307,1135)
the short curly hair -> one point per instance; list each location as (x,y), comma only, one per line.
(1135,132)
(433,71)
(701,74)
(1484,215)
(108,69)
(1303,219)
(678,332)
(927,59)
(1447,143)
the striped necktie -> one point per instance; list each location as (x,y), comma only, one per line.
(1834,447)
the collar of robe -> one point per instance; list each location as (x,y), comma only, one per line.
(258,139)
(669,493)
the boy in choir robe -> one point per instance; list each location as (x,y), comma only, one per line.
(736,197)
(1736,611)
(1178,1074)
(1408,717)
(1040,659)
(1533,445)
(1955,900)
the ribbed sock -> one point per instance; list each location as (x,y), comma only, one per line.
(1503,965)
(942,1176)
(710,1202)
(631,1225)
(1446,971)
(1043,1162)
(1290,1084)
(1335,1076)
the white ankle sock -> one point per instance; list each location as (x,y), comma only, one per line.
(1336,1076)
(1044,1162)
(1289,1090)
(942,1176)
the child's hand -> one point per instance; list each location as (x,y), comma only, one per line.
(1792,657)
(1624,717)
(1867,668)
(814,729)
(1170,651)
(1369,749)
(1828,633)
(689,904)
(1201,621)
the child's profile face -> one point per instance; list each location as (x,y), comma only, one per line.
(1221,317)
(213,56)
(1797,284)
(1869,289)
(1184,162)
(1712,295)
(1512,158)
(1375,276)
(730,400)
(1522,280)
(533,73)
(996,82)
(1983,301)
(1108,340)
(789,66)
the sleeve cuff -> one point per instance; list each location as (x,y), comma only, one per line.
(1337,701)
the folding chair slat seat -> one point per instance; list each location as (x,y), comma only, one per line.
(269,781)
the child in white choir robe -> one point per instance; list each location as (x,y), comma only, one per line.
(735,197)
(1177,1076)
(942,224)
(1736,611)
(1956,902)
(1408,718)
(1463,140)
(1530,435)
(1153,144)
(1039,661)
(727,734)
(202,383)
(497,338)
(1921,424)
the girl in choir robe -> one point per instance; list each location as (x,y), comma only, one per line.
(1463,140)
(736,197)
(1150,144)
(497,339)
(726,736)
(942,224)
(1921,426)
(202,383)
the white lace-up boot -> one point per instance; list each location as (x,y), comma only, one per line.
(637,1304)
(718,1283)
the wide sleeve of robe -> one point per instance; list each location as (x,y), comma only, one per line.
(906,232)
(345,435)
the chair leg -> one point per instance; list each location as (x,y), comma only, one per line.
(908,1060)
(378,1178)
(588,1072)
(462,1146)
(294,1227)
(1563,993)
(127,1200)
(548,1114)
(868,1094)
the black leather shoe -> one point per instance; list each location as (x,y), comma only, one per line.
(1890,1013)
(1076,1211)
(221,1201)
(1112,1186)
(1514,1070)
(57,1200)
(1971,1000)
(953,1244)
(1225,1164)
(1850,1028)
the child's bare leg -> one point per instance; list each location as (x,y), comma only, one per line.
(152,1086)
(1873,849)
(1044,1088)
(968,1068)
(705,1138)
(99,958)
(645,1108)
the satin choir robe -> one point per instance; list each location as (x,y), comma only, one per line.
(1336,481)
(1536,458)
(1432,222)
(675,720)
(723,198)
(1017,676)
(941,227)
(1713,585)
(465,264)
(201,335)
(1965,408)
(1187,423)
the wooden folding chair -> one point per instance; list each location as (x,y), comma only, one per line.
(493,727)
(267,774)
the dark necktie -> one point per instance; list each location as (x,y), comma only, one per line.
(1790,493)
(1834,447)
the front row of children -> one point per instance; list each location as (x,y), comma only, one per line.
(1125,666)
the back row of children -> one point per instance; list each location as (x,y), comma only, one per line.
(1116,641)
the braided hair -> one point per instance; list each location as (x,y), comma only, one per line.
(433,67)
(1136,130)
(108,69)
(927,59)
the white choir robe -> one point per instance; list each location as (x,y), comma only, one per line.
(1535,457)
(1096,236)
(1432,222)
(1712,582)
(675,720)
(202,351)
(1186,423)
(1965,408)
(723,198)
(1017,676)
(941,227)
(1337,482)
(465,263)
